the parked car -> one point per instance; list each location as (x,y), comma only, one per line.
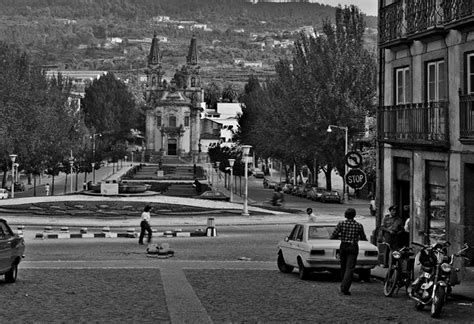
(12,249)
(18,186)
(331,196)
(3,193)
(315,193)
(309,248)
(287,188)
(213,195)
(258,174)
(302,190)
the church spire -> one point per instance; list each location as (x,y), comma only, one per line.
(192,58)
(155,56)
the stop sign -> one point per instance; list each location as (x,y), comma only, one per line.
(356,178)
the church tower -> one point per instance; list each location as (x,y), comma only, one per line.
(173,108)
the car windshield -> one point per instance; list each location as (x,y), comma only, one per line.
(320,232)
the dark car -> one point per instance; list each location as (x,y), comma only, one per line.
(331,196)
(12,248)
(213,195)
(19,186)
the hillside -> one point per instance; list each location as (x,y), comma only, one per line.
(115,34)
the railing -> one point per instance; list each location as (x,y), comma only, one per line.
(408,18)
(391,22)
(466,116)
(457,9)
(420,123)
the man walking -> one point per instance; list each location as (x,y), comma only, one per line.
(145,225)
(349,232)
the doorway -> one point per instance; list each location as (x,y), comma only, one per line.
(469,208)
(172,147)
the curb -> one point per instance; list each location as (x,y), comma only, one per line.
(48,233)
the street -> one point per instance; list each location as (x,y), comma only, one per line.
(229,278)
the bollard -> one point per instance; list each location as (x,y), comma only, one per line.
(211,229)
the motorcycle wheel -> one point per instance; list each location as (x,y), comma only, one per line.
(438,301)
(390,283)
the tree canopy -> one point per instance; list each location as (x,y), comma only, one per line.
(331,80)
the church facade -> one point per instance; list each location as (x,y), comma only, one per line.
(173,109)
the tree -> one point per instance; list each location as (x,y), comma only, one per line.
(109,107)
(212,95)
(329,81)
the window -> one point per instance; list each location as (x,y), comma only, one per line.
(436,88)
(402,82)
(172,121)
(186,120)
(193,82)
(470,73)
(158,120)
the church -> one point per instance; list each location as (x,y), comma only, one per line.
(173,109)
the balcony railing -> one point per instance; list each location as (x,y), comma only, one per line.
(466,117)
(420,123)
(410,19)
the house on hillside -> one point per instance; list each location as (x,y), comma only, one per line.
(425,117)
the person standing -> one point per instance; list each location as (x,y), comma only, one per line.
(350,233)
(311,216)
(392,227)
(46,189)
(145,224)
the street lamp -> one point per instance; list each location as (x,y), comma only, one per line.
(217,174)
(246,151)
(344,189)
(231,182)
(71,163)
(125,157)
(93,154)
(13,158)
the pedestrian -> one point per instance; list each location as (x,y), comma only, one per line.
(311,217)
(145,225)
(392,227)
(46,189)
(350,233)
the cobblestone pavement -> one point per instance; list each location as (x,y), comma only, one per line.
(161,291)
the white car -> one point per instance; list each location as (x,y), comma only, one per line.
(3,193)
(309,248)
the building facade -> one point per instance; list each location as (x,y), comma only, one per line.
(426,117)
(173,109)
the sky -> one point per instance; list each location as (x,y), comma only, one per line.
(369,7)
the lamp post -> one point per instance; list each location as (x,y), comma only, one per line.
(131,157)
(125,157)
(246,151)
(93,154)
(345,129)
(217,174)
(13,158)
(231,182)
(71,163)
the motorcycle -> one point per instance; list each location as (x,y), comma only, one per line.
(400,272)
(435,279)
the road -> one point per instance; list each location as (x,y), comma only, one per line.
(112,280)
(229,278)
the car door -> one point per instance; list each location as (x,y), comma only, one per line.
(289,252)
(5,249)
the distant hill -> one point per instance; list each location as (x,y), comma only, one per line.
(77,33)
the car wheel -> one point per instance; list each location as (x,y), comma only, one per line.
(302,271)
(364,275)
(282,266)
(10,276)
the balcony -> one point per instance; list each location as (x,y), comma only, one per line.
(414,124)
(407,20)
(466,118)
